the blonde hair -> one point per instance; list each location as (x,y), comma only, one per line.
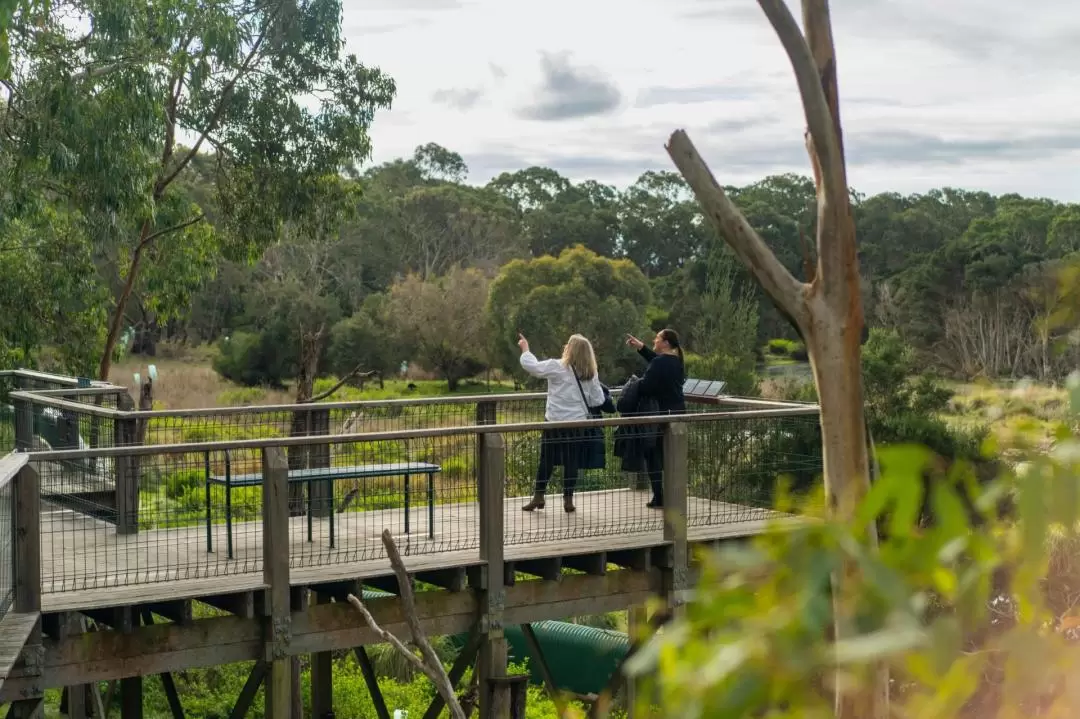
(578,355)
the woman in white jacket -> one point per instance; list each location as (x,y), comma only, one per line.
(573,386)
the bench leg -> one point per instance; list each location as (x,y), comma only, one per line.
(228,520)
(406,504)
(209,523)
(431,505)
(309,506)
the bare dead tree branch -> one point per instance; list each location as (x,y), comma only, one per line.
(819,120)
(430,664)
(828,311)
(341,383)
(787,292)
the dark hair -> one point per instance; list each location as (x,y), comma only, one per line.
(672,338)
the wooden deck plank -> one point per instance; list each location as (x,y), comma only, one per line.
(86,564)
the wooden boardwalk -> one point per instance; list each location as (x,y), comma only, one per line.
(86,564)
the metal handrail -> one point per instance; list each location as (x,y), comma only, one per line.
(48,377)
(324,439)
(47,398)
(10,465)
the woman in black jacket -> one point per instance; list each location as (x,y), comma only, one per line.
(662,382)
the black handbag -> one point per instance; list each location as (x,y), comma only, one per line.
(593,452)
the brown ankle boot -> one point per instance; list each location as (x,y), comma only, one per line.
(568,503)
(537,502)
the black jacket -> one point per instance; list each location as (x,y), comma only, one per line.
(663,381)
(631,442)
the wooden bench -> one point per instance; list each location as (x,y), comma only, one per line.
(310,477)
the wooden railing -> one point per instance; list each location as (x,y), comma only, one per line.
(701,488)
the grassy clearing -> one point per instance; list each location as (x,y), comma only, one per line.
(1009,411)
(187,380)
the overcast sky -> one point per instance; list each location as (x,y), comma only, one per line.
(964,93)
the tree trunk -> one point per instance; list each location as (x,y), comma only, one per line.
(827,309)
(117,321)
(302,421)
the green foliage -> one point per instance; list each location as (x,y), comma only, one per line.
(737,373)
(212,693)
(365,340)
(726,329)
(557,214)
(266,85)
(49,292)
(782,347)
(957,609)
(440,322)
(549,298)
(180,483)
(254,360)
(905,406)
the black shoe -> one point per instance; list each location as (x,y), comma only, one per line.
(536,503)
(568,503)
(655,503)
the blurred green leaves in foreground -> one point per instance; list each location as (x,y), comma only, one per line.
(970,599)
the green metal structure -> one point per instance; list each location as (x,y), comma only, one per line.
(581,658)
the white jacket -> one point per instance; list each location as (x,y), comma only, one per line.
(563,397)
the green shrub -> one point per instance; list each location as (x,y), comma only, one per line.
(254,360)
(178,483)
(782,347)
(739,375)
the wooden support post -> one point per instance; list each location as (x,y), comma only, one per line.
(24,425)
(676,473)
(299,597)
(486,412)
(249,690)
(465,659)
(131,698)
(27,709)
(545,671)
(27,555)
(372,682)
(275,539)
(76,705)
(125,434)
(494,694)
(322,676)
(172,696)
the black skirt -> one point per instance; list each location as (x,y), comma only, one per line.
(580,447)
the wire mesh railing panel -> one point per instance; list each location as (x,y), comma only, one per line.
(736,465)
(229,424)
(602,498)
(177,524)
(7,545)
(218,426)
(344,495)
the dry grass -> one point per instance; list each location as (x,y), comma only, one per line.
(186,380)
(1023,410)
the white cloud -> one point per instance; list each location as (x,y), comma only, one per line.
(968,93)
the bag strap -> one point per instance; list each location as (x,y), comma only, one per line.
(588,409)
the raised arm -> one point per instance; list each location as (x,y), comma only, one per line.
(539,368)
(638,345)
